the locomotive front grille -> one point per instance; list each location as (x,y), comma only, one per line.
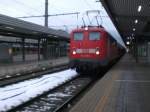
(81,51)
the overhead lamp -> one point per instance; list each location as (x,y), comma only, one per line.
(127,42)
(136,21)
(133,29)
(139,8)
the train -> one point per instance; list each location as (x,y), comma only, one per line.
(92,48)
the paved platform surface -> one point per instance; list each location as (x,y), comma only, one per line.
(125,88)
(9,70)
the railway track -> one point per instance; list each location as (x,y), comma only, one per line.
(16,94)
(30,74)
(56,99)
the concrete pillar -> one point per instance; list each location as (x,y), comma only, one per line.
(46,13)
(23,49)
(148,52)
(136,50)
(45,44)
(39,52)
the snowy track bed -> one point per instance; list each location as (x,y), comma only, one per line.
(29,75)
(14,95)
(55,100)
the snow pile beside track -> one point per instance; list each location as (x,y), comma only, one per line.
(16,94)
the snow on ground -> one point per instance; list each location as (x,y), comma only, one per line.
(16,94)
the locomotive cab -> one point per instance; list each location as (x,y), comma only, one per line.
(87,49)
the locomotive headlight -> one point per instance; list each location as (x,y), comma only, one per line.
(97,52)
(74,52)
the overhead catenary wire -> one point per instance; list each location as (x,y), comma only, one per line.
(83,22)
(38,16)
(97,21)
(20,5)
(97,14)
(33,16)
(50,15)
(89,18)
(11,9)
(27,6)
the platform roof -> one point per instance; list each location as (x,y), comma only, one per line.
(131,17)
(18,28)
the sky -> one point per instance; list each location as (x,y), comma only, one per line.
(20,8)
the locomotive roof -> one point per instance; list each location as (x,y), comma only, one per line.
(89,29)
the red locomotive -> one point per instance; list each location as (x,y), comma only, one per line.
(91,48)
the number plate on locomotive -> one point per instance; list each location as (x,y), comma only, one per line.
(80,51)
(85,50)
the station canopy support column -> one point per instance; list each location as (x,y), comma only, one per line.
(23,49)
(44,46)
(39,49)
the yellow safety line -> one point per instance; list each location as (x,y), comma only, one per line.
(134,81)
(101,104)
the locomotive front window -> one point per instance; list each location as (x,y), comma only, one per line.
(94,36)
(78,36)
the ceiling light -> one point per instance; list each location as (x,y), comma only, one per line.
(133,29)
(139,8)
(127,42)
(136,21)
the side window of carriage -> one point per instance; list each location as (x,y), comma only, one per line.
(94,36)
(78,36)
(113,41)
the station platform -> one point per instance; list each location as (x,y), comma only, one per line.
(124,88)
(10,70)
